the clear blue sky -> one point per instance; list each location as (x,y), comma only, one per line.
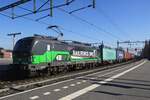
(123,19)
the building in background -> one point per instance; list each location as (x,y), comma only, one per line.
(5,53)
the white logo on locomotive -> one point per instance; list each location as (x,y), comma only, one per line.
(84,53)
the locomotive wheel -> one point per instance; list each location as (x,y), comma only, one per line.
(65,69)
(54,70)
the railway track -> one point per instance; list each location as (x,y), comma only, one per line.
(9,87)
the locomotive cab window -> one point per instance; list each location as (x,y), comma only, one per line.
(60,47)
(39,48)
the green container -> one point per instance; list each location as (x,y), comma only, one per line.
(109,54)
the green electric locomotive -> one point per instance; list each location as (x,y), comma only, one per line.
(42,55)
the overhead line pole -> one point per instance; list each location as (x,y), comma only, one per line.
(34,6)
(51,8)
(13,35)
(128,42)
(12,13)
(94,2)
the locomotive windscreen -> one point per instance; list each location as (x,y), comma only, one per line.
(23,45)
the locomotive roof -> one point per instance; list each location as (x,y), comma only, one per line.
(55,40)
(40,38)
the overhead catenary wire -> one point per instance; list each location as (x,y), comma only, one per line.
(112,22)
(64,29)
(43,17)
(38,10)
(80,9)
(91,24)
(88,37)
(101,29)
(83,20)
(42,10)
(5,15)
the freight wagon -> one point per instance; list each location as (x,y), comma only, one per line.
(127,55)
(108,54)
(119,55)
